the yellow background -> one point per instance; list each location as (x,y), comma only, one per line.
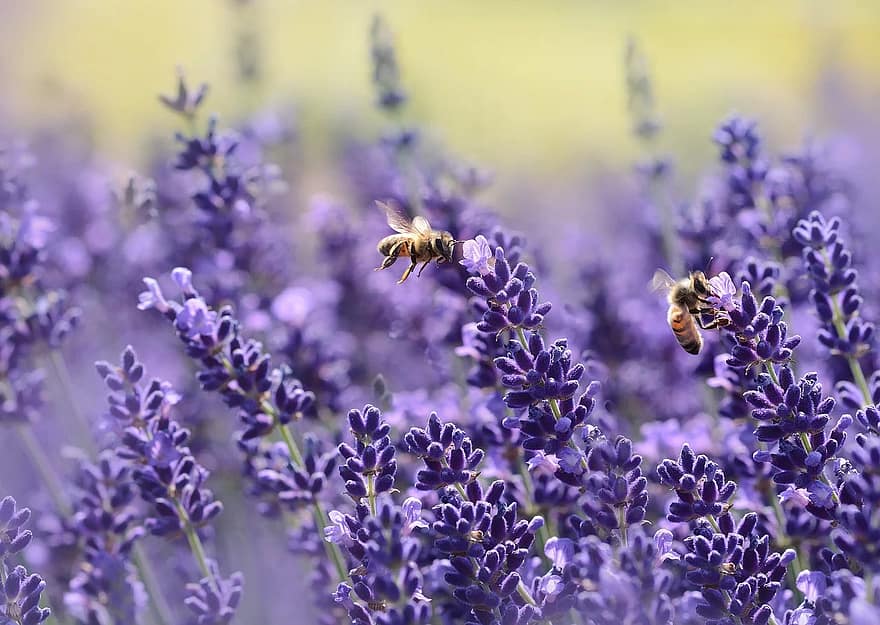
(514,85)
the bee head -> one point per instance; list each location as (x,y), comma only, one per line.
(700,284)
(445,244)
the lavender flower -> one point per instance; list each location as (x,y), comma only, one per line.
(486,545)
(448,454)
(859,516)
(513,302)
(370,466)
(836,296)
(760,333)
(477,256)
(106,586)
(214,599)
(386,75)
(20,592)
(185,102)
(737,573)
(168,478)
(699,484)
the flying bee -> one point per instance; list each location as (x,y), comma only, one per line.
(688,303)
(415,239)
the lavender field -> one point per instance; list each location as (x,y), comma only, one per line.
(267,370)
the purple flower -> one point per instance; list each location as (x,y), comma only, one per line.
(293,305)
(477,256)
(663,540)
(812,584)
(543,462)
(550,586)
(802,616)
(214,599)
(559,551)
(798,496)
(412,515)
(183,278)
(152,297)
(337,532)
(35,230)
(196,319)
(342,595)
(20,591)
(723,291)
(185,102)
(570,460)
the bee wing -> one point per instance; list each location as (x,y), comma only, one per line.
(397,219)
(662,281)
(421,225)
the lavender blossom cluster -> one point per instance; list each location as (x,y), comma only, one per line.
(486,444)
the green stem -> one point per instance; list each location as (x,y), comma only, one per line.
(44,467)
(544,532)
(621,521)
(771,371)
(780,290)
(461,491)
(62,373)
(371,493)
(808,447)
(557,413)
(332,550)
(805,440)
(56,492)
(794,569)
(321,518)
(195,544)
(840,327)
(160,608)
(295,455)
(525,594)
(854,367)
(554,404)
(713,523)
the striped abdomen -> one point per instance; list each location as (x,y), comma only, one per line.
(685,329)
(395,245)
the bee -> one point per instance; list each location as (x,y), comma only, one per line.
(688,303)
(415,239)
(475,536)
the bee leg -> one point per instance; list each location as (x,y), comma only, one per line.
(389,260)
(427,262)
(711,325)
(406,273)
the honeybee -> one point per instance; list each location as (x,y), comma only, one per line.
(415,239)
(688,302)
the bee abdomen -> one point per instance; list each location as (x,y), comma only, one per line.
(393,246)
(685,330)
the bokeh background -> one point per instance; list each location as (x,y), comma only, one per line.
(530,89)
(534,92)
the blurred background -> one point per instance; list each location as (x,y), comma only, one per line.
(525,89)
(533,92)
